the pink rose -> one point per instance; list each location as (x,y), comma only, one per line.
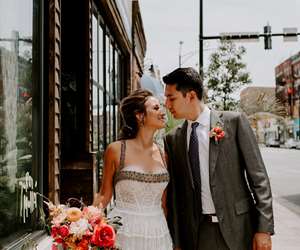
(95,220)
(54,247)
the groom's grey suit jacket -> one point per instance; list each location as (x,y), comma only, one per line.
(239,185)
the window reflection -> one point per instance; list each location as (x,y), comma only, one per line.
(106,76)
(95,118)
(16,93)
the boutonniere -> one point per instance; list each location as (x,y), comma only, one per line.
(217,133)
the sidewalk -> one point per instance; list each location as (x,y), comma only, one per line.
(287,228)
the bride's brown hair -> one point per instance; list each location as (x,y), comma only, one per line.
(129,107)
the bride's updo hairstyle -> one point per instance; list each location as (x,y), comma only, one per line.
(130,106)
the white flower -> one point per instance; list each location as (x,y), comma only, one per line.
(91,211)
(57,220)
(79,227)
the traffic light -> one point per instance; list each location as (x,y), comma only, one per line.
(268,37)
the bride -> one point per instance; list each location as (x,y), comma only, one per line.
(135,170)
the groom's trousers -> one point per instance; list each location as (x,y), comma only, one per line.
(210,237)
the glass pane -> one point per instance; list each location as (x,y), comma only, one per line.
(108,119)
(101,50)
(101,135)
(111,107)
(107,53)
(16,90)
(111,66)
(95,118)
(95,51)
(117,121)
(117,80)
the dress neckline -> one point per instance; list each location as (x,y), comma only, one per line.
(122,159)
(137,169)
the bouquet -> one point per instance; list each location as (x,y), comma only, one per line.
(81,227)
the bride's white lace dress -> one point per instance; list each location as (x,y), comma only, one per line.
(138,202)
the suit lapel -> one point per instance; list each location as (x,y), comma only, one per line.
(182,140)
(214,148)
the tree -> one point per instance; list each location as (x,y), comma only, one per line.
(225,75)
(263,103)
(171,122)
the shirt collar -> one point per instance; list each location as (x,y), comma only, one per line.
(203,118)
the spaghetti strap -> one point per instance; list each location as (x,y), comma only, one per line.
(122,155)
(121,165)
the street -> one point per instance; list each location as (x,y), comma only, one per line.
(283,166)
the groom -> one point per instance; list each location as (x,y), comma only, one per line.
(219,195)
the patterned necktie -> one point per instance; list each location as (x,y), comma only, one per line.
(194,159)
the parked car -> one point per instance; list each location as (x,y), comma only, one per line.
(272,138)
(271,142)
(290,143)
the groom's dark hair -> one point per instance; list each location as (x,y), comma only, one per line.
(185,79)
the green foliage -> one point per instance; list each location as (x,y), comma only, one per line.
(171,122)
(225,75)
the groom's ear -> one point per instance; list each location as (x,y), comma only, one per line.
(192,95)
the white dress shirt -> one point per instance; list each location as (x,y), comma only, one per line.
(203,139)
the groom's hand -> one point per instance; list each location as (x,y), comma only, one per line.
(262,241)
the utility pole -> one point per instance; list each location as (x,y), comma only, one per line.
(201,37)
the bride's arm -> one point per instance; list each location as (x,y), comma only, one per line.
(106,190)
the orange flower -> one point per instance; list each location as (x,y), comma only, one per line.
(83,245)
(73,214)
(104,236)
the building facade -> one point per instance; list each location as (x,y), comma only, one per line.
(287,75)
(265,112)
(64,66)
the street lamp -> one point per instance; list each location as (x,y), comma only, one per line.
(180,50)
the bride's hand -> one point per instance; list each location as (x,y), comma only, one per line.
(97,201)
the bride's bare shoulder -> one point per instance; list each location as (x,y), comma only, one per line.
(113,150)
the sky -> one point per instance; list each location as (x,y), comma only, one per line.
(167,22)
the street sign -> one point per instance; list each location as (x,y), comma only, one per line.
(290,34)
(241,36)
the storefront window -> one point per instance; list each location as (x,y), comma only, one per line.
(95,118)
(106,81)
(18,169)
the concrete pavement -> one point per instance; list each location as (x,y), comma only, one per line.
(287,228)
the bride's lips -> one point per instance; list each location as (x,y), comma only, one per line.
(162,118)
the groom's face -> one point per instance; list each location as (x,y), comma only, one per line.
(175,102)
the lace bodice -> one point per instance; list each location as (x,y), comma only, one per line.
(140,191)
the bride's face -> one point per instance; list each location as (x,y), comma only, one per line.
(155,115)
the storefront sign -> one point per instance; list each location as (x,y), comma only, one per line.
(28,197)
